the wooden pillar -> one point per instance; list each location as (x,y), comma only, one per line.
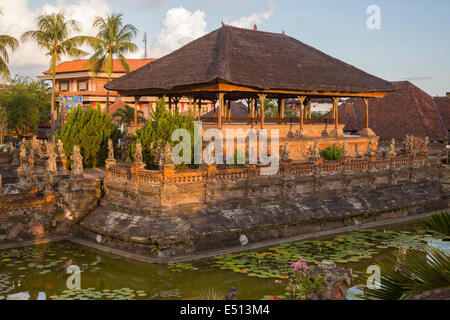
(170,104)
(309,109)
(282,109)
(366,101)
(229,110)
(302,100)
(136,102)
(262,97)
(221,107)
(190,106)
(253,103)
(199,108)
(336,112)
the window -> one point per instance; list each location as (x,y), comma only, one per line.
(64,86)
(82,85)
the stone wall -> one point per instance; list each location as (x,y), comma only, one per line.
(164,214)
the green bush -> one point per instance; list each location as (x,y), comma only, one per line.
(90,130)
(331,153)
(158,132)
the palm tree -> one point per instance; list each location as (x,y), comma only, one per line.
(439,224)
(126,115)
(113,40)
(53,35)
(6,42)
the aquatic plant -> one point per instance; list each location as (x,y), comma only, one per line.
(212,294)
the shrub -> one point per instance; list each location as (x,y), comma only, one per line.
(90,130)
(158,132)
(331,153)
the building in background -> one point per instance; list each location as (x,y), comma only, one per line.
(77,85)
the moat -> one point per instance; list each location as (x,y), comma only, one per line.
(41,272)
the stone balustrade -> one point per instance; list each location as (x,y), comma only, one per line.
(171,188)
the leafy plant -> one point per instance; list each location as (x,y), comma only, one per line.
(212,295)
(439,223)
(331,153)
(27,104)
(404,276)
(90,130)
(6,42)
(300,283)
(158,132)
(126,115)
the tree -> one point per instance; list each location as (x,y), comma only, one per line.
(113,40)
(126,115)
(27,104)
(54,35)
(3,123)
(158,132)
(90,130)
(6,42)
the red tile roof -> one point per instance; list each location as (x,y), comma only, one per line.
(82,65)
(443,105)
(408,110)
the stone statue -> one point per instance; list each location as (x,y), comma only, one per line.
(51,161)
(61,149)
(11,147)
(426,142)
(34,144)
(315,152)
(77,158)
(138,153)
(344,153)
(370,151)
(391,151)
(167,156)
(23,150)
(284,153)
(110,150)
(408,143)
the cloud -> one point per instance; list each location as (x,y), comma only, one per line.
(147,3)
(255,18)
(18,18)
(417,78)
(178,28)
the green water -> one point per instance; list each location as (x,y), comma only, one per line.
(41,271)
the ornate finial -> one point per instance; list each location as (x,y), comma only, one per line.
(61,149)
(23,150)
(344,153)
(138,153)
(370,151)
(34,145)
(426,142)
(77,158)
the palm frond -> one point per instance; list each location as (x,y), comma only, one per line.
(439,223)
(419,272)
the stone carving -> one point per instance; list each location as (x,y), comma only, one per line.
(335,284)
(408,144)
(34,144)
(23,150)
(138,153)
(77,165)
(425,144)
(110,150)
(284,153)
(11,147)
(371,149)
(167,156)
(315,152)
(391,151)
(61,149)
(344,155)
(51,161)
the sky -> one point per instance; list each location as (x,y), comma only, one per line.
(412,41)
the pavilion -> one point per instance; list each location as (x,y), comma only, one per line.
(231,64)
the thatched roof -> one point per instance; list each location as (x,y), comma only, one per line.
(255,59)
(408,110)
(443,105)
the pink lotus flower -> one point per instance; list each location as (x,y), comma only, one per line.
(300,266)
